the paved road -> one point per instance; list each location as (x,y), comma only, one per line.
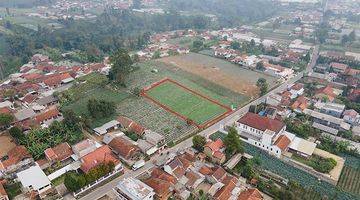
(233,117)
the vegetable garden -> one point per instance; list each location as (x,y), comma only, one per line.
(350,180)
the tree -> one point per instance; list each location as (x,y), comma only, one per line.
(252,43)
(100,108)
(156,55)
(262,85)
(16,133)
(233,143)
(235,45)
(121,66)
(345,39)
(6,119)
(74,181)
(197,45)
(352,36)
(307,57)
(199,142)
(260,66)
(70,119)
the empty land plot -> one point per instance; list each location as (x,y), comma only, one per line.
(186,103)
(224,73)
(350,180)
(6,144)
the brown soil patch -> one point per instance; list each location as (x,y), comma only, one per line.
(239,80)
(6,144)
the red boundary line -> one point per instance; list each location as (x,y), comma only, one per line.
(205,124)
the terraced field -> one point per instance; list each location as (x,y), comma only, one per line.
(350,180)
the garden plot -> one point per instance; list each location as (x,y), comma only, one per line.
(155,118)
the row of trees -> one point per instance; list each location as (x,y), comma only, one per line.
(262,85)
(74,181)
(112,30)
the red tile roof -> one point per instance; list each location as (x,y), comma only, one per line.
(219,173)
(55,80)
(250,194)
(161,174)
(102,154)
(123,147)
(215,145)
(52,113)
(283,142)
(131,125)
(2,191)
(261,123)
(225,192)
(60,152)
(15,155)
(205,170)
(5,110)
(328,91)
(161,187)
(29,98)
(340,66)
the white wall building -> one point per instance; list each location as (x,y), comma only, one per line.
(133,189)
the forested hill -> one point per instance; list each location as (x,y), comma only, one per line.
(112,30)
(229,12)
(24,3)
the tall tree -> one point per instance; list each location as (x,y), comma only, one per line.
(199,142)
(121,66)
(233,143)
(262,85)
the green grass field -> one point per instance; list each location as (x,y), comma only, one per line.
(186,103)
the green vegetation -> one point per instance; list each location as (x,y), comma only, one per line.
(133,136)
(323,165)
(186,103)
(262,85)
(74,181)
(100,108)
(121,66)
(199,142)
(5,119)
(13,189)
(37,140)
(350,180)
(301,127)
(233,143)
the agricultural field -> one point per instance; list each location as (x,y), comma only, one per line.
(186,103)
(226,74)
(350,180)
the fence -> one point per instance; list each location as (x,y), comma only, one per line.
(97,182)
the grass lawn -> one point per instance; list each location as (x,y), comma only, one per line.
(186,103)
(59,180)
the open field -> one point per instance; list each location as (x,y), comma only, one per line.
(350,180)
(6,144)
(226,74)
(185,103)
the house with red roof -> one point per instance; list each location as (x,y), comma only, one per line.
(162,183)
(47,117)
(17,158)
(56,80)
(130,125)
(101,155)
(124,148)
(261,131)
(339,67)
(326,92)
(250,194)
(300,104)
(214,150)
(59,153)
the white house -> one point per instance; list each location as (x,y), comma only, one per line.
(34,178)
(262,132)
(134,189)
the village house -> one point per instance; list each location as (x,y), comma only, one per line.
(34,179)
(327,123)
(107,127)
(162,183)
(131,126)
(59,153)
(17,158)
(214,150)
(134,189)
(84,147)
(300,104)
(296,90)
(325,93)
(46,118)
(351,116)
(339,67)
(250,194)
(333,109)
(101,155)
(124,148)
